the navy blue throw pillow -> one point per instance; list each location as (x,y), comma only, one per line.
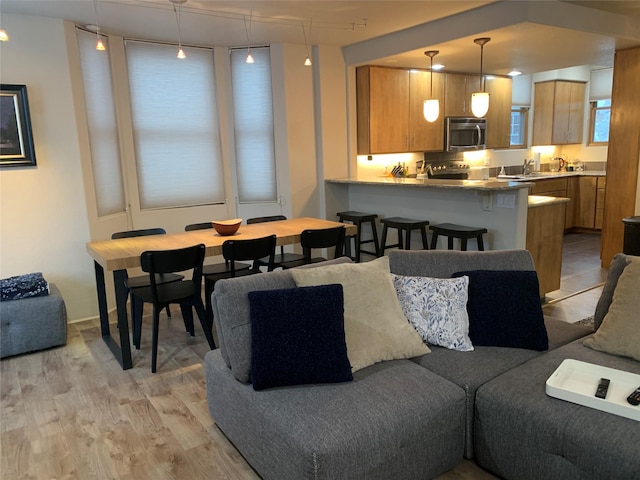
(504,309)
(297,337)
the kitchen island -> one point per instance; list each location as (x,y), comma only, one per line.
(500,206)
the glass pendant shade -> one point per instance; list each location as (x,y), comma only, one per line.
(480,100)
(307,61)
(431,109)
(249,58)
(480,104)
(100,46)
(181,55)
(4,36)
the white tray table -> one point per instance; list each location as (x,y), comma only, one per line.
(576,382)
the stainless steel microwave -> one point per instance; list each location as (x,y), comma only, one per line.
(462,134)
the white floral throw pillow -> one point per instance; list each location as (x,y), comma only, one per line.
(437,309)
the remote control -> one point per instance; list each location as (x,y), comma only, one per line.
(603,386)
(634,398)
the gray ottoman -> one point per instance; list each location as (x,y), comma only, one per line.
(33,323)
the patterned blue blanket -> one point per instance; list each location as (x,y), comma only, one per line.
(23,286)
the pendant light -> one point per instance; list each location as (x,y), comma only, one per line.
(181,55)
(431,107)
(248,32)
(480,100)
(307,61)
(99,45)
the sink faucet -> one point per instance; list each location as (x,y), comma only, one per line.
(526,168)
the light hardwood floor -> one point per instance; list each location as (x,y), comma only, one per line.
(73,413)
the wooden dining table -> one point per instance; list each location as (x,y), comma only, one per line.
(118,255)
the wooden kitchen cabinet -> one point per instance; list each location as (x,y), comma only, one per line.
(457,94)
(558,112)
(545,229)
(389,111)
(425,136)
(556,187)
(382,109)
(601,184)
(584,203)
(499,114)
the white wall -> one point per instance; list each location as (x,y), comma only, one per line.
(43,221)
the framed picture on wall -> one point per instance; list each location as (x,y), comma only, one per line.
(16,137)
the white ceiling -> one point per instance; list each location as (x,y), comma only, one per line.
(530,36)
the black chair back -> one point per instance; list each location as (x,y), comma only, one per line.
(323,238)
(198,226)
(170,261)
(252,249)
(139,233)
(270,218)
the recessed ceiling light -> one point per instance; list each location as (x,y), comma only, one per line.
(514,73)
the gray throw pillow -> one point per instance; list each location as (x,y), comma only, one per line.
(615,270)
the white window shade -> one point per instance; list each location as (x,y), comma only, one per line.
(253,126)
(101,124)
(176,132)
(601,84)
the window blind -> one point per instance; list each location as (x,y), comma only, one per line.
(253,126)
(175,124)
(101,124)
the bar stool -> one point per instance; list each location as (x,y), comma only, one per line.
(405,225)
(451,231)
(358,218)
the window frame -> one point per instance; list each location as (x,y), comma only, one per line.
(593,109)
(524,112)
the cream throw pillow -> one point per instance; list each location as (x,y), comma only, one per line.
(374,324)
(619,333)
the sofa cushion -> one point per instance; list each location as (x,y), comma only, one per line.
(375,327)
(616,267)
(297,337)
(444,263)
(230,303)
(523,433)
(437,309)
(395,420)
(619,333)
(504,309)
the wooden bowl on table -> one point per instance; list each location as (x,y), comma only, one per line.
(227,227)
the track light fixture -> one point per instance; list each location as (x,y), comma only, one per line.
(99,45)
(307,61)
(480,100)
(176,10)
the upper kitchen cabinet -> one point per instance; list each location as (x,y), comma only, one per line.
(558,112)
(389,111)
(499,114)
(458,89)
(425,136)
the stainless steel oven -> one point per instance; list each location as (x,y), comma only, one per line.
(464,134)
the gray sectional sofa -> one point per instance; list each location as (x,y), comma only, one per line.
(417,418)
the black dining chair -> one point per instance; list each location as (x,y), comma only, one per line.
(233,251)
(186,292)
(215,268)
(143,280)
(313,239)
(282,257)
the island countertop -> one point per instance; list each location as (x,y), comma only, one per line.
(481,185)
